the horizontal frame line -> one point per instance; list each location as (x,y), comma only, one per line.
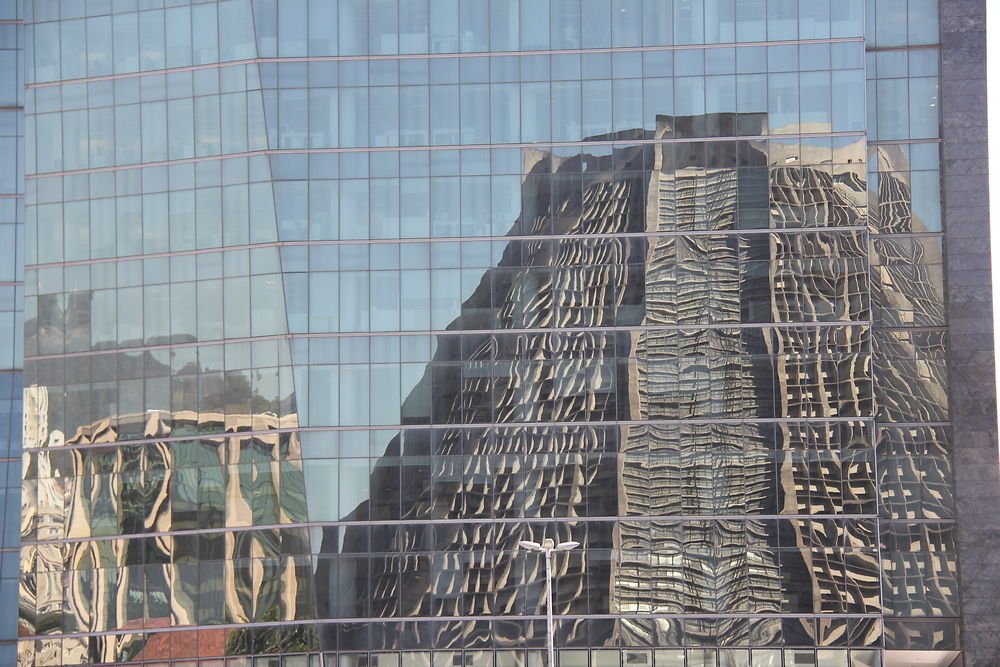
(868,420)
(475,520)
(466,619)
(436,56)
(473,239)
(450,147)
(431,332)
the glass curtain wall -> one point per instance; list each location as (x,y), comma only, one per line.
(11,314)
(330,303)
(917,513)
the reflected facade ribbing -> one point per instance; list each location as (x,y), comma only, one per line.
(330,303)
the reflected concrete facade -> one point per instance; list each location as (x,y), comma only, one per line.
(647,567)
(330,304)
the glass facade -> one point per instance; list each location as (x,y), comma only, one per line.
(330,303)
(11,315)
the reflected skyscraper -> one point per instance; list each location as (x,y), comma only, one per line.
(330,303)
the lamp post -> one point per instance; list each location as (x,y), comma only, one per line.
(548,547)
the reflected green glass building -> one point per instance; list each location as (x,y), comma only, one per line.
(330,303)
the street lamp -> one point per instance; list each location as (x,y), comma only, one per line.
(548,547)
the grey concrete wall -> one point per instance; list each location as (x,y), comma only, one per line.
(970,313)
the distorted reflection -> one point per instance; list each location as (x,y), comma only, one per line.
(162,485)
(670,363)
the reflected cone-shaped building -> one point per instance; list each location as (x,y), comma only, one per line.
(671,512)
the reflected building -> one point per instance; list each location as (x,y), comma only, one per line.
(331,303)
(86,486)
(703,375)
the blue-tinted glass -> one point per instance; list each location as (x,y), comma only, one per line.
(414,22)
(720,21)
(204,38)
(890,22)
(751,59)
(353,116)
(152,39)
(46,61)
(265,18)
(72,43)
(627,112)
(814,20)
(322,28)
(783,58)
(782,19)
(783,103)
(475,114)
(720,61)
(751,20)
(535,68)
(924,109)
(444,26)
(626,22)
(566,110)
(444,115)
(720,94)
(814,56)
(292,20)
(596,108)
(474,26)
(815,99)
(383,35)
(384,124)
(893,109)
(658,96)
(847,18)
(474,70)
(444,70)
(505,109)
(323,117)
(891,64)
(689,62)
(353,27)
(596,65)
(689,22)
(657,26)
(922,22)
(924,62)
(504,25)
(565,21)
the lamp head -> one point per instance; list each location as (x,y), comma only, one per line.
(547,545)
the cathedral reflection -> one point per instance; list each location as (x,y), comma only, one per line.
(727,474)
(675,362)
